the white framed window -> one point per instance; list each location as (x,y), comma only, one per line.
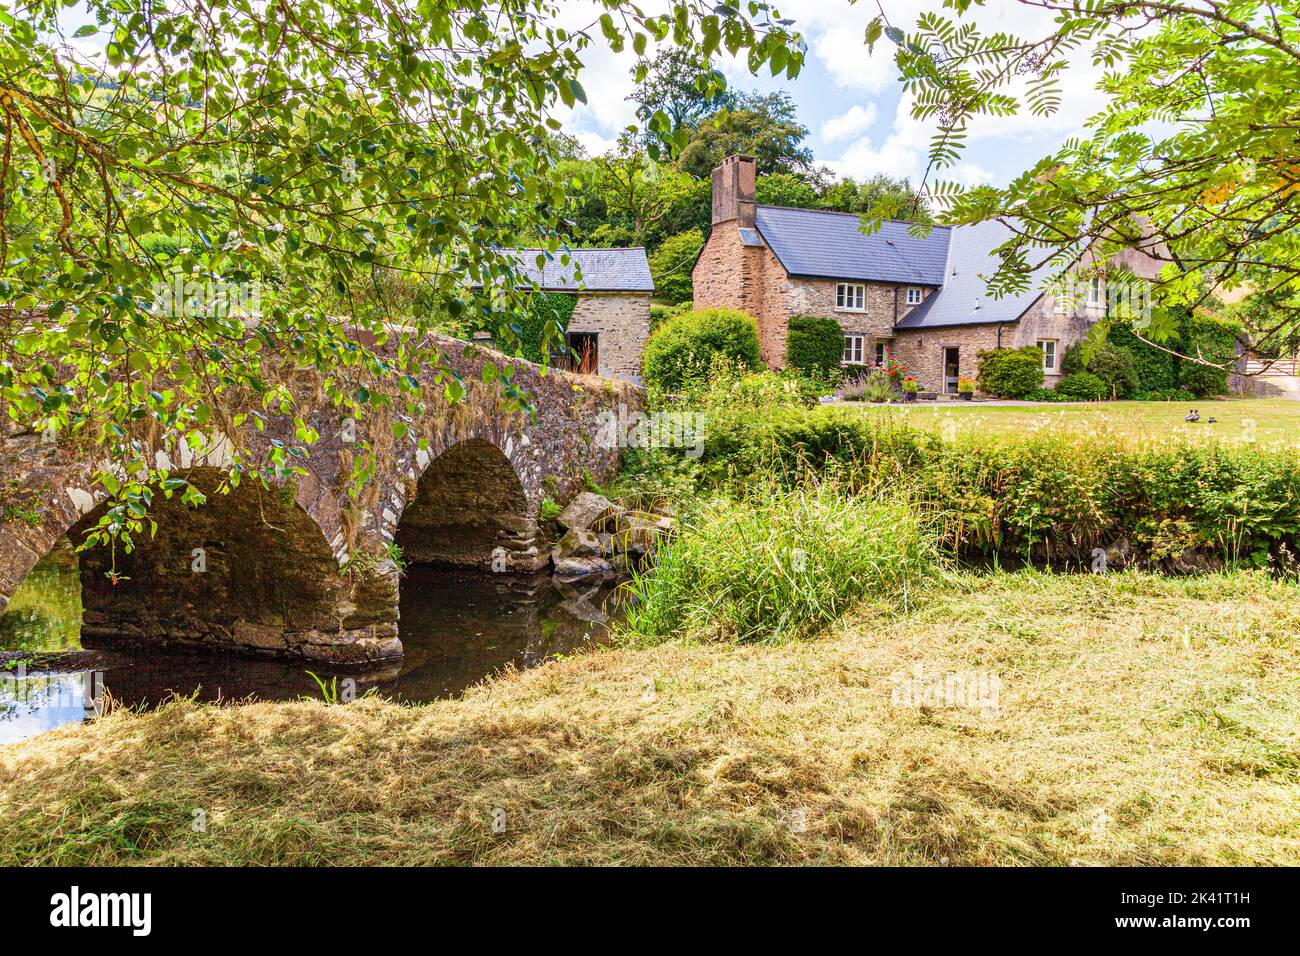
(914,295)
(852,349)
(1094,291)
(882,353)
(850,296)
(1049,354)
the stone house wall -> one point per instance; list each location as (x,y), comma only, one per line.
(621,320)
(883,305)
(730,274)
(922,350)
(1043,321)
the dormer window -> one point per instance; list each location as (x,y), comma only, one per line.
(850,296)
(914,295)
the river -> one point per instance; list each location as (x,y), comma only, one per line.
(457,628)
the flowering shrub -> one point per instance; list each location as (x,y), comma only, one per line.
(896,370)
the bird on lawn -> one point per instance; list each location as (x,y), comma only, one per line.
(1211,419)
(1193,416)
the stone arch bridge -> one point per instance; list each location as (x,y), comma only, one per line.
(304,569)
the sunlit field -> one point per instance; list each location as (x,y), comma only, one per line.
(1262,420)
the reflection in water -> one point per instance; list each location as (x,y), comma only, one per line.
(45,613)
(456,628)
(33,703)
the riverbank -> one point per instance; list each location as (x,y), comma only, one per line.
(1004,719)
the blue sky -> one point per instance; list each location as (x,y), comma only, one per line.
(852,102)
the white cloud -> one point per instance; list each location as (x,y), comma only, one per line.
(594,143)
(862,160)
(838,60)
(902,154)
(836,34)
(969,174)
(857,120)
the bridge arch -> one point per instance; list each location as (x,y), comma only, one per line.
(467,506)
(38,506)
(249,571)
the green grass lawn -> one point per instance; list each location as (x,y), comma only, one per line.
(1261,420)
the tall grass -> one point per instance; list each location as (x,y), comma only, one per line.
(779,564)
(1052,495)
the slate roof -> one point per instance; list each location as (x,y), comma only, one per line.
(603,270)
(816,244)
(964,298)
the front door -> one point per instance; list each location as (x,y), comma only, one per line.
(951,368)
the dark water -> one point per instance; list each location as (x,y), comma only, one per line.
(457,628)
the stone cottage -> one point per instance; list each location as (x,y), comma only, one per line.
(922,301)
(611,318)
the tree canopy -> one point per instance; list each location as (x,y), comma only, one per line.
(1193,158)
(763,126)
(188,212)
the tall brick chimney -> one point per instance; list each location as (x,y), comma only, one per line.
(733,191)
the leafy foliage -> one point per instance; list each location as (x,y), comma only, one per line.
(815,344)
(301,158)
(1045,495)
(1011,373)
(1211,346)
(671,265)
(536,332)
(684,347)
(659,314)
(762,126)
(1197,362)
(1115,367)
(1083,387)
(1192,159)
(676,83)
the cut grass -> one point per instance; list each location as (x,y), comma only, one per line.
(1141,720)
(1264,421)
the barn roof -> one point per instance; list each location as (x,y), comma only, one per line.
(602,270)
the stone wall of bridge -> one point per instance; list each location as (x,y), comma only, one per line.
(303,568)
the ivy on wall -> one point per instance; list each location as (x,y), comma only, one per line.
(546,312)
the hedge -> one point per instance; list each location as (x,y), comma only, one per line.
(814,344)
(1011,373)
(1046,496)
(1083,387)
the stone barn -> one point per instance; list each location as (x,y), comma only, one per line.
(611,318)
